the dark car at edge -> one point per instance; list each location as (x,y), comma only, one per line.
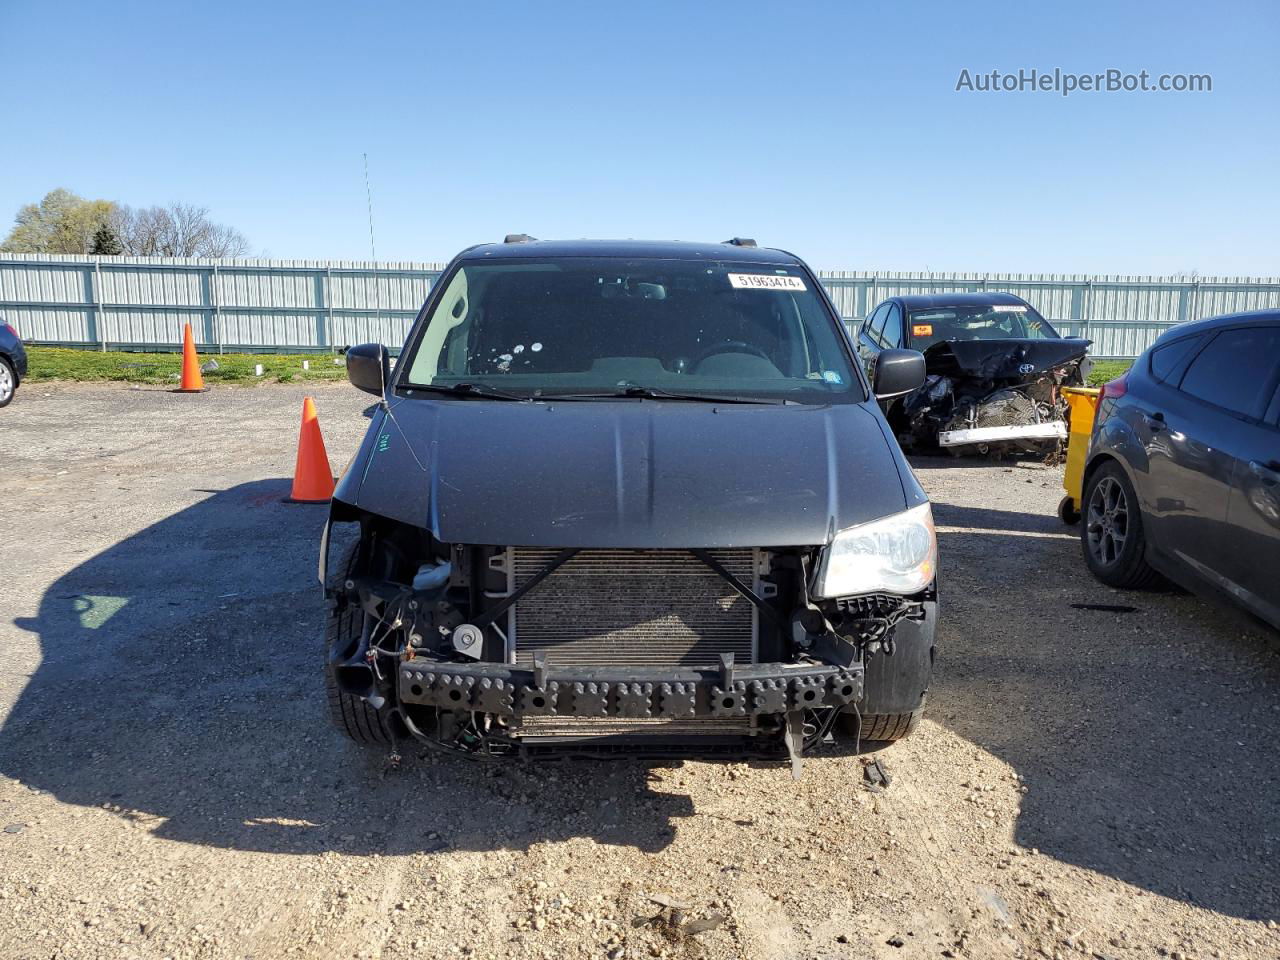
(13,363)
(624,498)
(1183,474)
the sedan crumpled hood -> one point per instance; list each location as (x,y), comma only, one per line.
(1001,359)
(639,474)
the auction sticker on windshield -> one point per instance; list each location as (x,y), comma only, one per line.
(1008,308)
(764,281)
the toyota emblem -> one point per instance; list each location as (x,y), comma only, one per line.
(1027,368)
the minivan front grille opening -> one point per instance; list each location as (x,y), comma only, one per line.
(633,608)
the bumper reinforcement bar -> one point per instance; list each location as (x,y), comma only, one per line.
(743,691)
(1052,430)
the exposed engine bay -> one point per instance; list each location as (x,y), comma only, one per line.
(993,397)
(499,652)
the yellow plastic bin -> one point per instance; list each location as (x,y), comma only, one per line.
(1083,402)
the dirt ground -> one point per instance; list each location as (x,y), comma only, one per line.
(1089,783)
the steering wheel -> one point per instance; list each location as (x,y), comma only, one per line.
(728,346)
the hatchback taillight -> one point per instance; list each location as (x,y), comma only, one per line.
(12,329)
(1117,387)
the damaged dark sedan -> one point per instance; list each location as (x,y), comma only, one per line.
(623,498)
(995,369)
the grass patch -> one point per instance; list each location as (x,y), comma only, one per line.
(66,363)
(1106,370)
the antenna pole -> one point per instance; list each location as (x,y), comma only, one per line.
(373,250)
(368,195)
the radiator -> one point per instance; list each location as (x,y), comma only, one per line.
(632,608)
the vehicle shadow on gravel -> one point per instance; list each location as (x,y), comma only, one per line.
(180,685)
(1147,740)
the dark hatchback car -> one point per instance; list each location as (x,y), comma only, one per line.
(630,498)
(13,363)
(994,367)
(1183,475)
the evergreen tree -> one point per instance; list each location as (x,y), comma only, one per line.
(106,243)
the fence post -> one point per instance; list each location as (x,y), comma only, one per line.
(328,308)
(99,315)
(1086,308)
(216,302)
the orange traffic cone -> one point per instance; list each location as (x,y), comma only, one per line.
(192,381)
(312,477)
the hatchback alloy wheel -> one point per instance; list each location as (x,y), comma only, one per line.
(6,383)
(1107,521)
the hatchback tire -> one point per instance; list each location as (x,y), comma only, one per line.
(1111,532)
(8,382)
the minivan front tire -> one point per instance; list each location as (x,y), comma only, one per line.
(876,731)
(349,714)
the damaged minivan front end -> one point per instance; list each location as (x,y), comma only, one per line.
(493,651)
(535,554)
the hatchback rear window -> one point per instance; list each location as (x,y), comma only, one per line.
(1235,370)
(1167,360)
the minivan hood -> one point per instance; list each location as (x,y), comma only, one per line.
(1001,359)
(628,473)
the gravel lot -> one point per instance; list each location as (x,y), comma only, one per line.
(1090,783)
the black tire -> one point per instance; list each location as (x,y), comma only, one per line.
(8,382)
(880,730)
(1111,534)
(890,727)
(351,715)
(1067,511)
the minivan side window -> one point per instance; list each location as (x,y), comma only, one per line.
(892,335)
(1234,370)
(1167,361)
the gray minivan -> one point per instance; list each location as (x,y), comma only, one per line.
(624,498)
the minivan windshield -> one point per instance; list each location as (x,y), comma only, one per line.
(986,322)
(673,329)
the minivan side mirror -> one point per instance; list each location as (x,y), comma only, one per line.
(897,372)
(369,368)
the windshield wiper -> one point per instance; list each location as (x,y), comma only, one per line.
(657,393)
(469,390)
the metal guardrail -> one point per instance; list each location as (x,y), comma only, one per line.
(138,303)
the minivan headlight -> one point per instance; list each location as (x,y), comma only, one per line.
(895,554)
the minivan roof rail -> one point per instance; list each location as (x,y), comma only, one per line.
(517,238)
(741,242)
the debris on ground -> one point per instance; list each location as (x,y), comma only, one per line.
(875,775)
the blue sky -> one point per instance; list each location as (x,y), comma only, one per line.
(830,129)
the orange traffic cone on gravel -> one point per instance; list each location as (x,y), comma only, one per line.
(192,380)
(312,477)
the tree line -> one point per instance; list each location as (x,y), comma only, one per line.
(64,222)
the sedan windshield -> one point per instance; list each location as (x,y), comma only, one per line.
(660,329)
(994,322)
